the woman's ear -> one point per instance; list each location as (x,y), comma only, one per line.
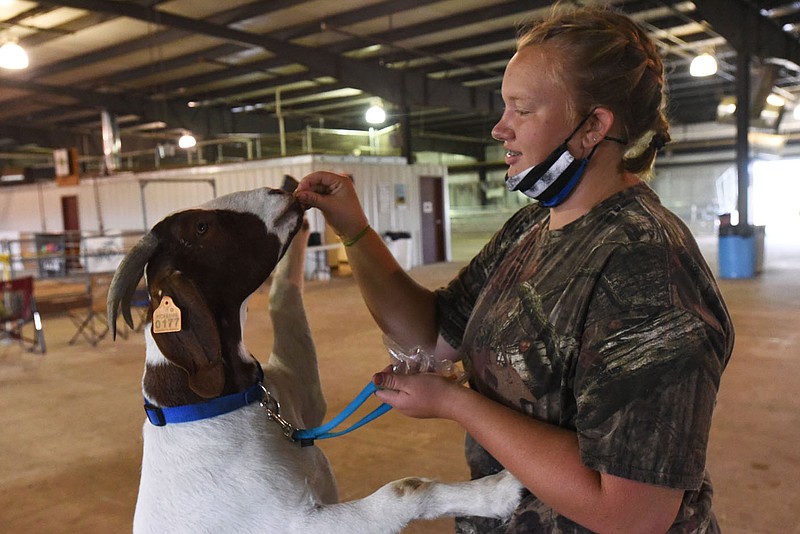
(598,126)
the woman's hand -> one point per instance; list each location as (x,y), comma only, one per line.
(424,395)
(336,197)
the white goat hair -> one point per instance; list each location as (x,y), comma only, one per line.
(237,472)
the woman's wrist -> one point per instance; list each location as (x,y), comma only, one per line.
(352,231)
(353,240)
(457,397)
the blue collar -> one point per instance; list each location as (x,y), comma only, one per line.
(205,410)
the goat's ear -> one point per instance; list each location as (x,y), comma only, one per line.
(196,348)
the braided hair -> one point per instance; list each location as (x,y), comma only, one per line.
(603,58)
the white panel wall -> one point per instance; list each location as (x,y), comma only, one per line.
(123,202)
(34,208)
(117,198)
(20,209)
(691,192)
(376,186)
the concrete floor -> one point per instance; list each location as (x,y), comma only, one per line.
(70,446)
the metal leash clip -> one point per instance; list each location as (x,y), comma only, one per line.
(273,410)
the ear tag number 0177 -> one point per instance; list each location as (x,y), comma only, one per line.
(167,317)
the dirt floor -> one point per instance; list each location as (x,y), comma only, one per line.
(70,446)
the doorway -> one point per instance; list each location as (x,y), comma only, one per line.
(72,231)
(775,199)
(431,194)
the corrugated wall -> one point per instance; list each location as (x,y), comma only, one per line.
(390,194)
(691,192)
(388,187)
(20,208)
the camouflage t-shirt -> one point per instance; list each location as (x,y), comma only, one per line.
(612,326)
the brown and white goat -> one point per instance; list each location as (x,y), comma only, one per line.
(237,472)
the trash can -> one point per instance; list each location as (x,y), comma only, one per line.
(737,251)
(399,244)
(316,264)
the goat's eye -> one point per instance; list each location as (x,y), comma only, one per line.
(202,227)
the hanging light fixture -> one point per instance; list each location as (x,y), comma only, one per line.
(703,65)
(375,114)
(776,100)
(187,140)
(13,56)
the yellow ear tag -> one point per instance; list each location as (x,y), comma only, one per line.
(167,317)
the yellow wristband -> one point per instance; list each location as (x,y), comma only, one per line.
(354,240)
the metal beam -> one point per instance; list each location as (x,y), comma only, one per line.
(736,19)
(404,88)
(119,103)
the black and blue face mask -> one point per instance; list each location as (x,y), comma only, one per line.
(553,180)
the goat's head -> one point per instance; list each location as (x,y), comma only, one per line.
(208,260)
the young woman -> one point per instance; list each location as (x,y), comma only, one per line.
(591,327)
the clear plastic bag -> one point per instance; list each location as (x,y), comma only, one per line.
(415,360)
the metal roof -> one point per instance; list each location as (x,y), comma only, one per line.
(231,67)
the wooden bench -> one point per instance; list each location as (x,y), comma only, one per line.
(55,297)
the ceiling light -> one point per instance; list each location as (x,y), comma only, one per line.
(376,115)
(187,140)
(796,113)
(703,65)
(13,56)
(775,100)
(726,107)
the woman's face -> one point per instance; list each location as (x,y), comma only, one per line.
(535,119)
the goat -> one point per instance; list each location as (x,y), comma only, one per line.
(237,472)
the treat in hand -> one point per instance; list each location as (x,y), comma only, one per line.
(416,360)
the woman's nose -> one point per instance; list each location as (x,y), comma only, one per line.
(500,132)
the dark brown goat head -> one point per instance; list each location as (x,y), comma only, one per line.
(208,261)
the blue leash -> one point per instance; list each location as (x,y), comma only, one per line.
(159,416)
(306,437)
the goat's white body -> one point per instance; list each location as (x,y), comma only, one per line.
(238,473)
(251,479)
(233,473)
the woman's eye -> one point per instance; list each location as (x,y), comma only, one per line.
(202,227)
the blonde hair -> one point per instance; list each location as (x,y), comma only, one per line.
(605,59)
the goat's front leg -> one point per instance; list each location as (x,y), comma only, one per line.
(293,352)
(396,504)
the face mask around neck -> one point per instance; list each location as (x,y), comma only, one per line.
(553,180)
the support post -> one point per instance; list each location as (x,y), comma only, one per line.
(742,129)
